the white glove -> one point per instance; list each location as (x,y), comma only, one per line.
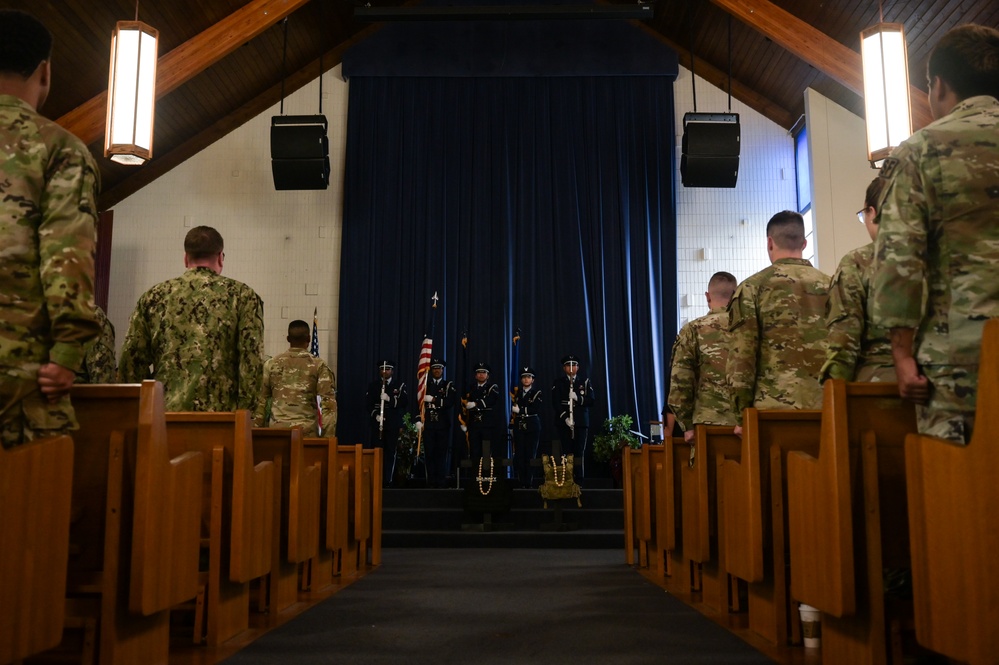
(419,425)
(385,397)
(568,421)
(470,405)
(574,396)
(516,409)
(464,429)
(429,399)
(378,419)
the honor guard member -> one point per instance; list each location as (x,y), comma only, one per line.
(526,408)
(436,422)
(777,326)
(387,400)
(938,241)
(201,334)
(857,349)
(297,384)
(572,396)
(48,221)
(486,420)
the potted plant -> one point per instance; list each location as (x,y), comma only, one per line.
(405,456)
(613,437)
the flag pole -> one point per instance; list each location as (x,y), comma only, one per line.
(422,380)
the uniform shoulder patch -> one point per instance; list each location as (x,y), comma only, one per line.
(888,168)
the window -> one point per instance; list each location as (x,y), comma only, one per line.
(803,179)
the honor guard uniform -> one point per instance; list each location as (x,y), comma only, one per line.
(526,408)
(387,400)
(485,419)
(572,396)
(436,422)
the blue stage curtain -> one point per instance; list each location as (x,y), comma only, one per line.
(544,204)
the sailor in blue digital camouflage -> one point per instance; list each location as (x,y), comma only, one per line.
(777,326)
(99,364)
(48,216)
(699,391)
(938,241)
(857,349)
(299,387)
(200,334)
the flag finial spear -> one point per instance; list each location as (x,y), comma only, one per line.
(435,299)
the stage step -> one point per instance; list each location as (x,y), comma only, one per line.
(436,518)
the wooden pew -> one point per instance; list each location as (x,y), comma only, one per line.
(295,534)
(364,510)
(36,481)
(134,525)
(753,489)
(953,493)
(237,517)
(320,571)
(668,501)
(848,518)
(703,511)
(637,505)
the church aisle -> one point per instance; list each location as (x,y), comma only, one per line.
(487,606)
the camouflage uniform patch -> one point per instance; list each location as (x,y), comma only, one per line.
(699,391)
(857,350)
(201,335)
(777,345)
(99,364)
(938,228)
(292,381)
(48,222)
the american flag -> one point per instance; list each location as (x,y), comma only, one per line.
(423,369)
(314,349)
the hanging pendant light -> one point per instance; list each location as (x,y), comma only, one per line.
(128,137)
(886,89)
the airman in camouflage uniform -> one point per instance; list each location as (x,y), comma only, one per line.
(48,217)
(99,365)
(200,334)
(776,322)
(699,392)
(296,383)
(858,350)
(940,227)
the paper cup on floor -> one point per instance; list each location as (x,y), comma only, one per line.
(811,628)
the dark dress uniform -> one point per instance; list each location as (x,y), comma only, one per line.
(437,425)
(573,440)
(386,436)
(526,427)
(486,419)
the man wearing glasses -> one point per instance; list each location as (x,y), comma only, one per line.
(858,350)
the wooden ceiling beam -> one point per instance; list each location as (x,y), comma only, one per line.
(720,79)
(835,60)
(188,60)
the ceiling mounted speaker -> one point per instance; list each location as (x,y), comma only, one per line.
(300,152)
(710,150)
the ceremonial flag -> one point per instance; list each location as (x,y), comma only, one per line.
(314,350)
(423,369)
(515,365)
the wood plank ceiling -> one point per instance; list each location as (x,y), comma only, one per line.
(221,60)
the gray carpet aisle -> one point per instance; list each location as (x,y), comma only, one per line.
(485,606)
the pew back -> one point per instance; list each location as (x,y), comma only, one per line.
(953,494)
(36,480)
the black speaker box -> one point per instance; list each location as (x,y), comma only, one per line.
(710,150)
(300,152)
